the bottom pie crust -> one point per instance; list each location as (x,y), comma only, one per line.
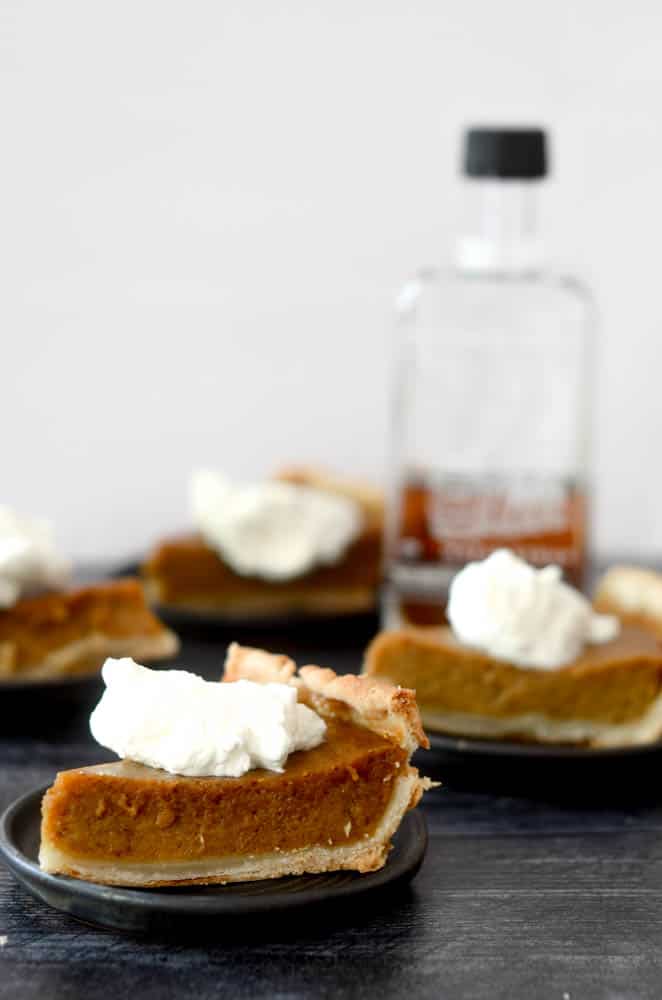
(542,729)
(292,600)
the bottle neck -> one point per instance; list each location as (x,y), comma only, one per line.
(501,234)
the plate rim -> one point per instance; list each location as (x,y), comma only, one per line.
(190,619)
(65,681)
(187,901)
(470,746)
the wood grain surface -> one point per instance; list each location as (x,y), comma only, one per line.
(540,882)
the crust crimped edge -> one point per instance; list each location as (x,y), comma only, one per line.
(371,702)
(367,496)
(248,664)
(633,594)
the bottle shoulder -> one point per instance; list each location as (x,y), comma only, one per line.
(550,282)
(439,291)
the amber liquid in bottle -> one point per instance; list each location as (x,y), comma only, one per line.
(442,526)
(492,394)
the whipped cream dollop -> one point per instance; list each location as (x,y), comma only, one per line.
(29,560)
(273,530)
(177,721)
(526,616)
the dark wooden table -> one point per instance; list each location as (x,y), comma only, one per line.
(539,882)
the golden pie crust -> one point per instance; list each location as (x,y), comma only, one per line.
(634,595)
(334,807)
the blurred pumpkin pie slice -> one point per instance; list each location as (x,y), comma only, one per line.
(69,632)
(304,542)
(49,629)
(608,694)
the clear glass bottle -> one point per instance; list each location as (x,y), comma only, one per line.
(492,402)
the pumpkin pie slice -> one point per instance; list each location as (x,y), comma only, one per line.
(611,695)
(185,573)
(73,631)
(334,807)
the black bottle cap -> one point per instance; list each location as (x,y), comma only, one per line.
(505,152)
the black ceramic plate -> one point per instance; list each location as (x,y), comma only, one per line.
(153,909)
(189,621)
(45,706)
(72,682)
(463,746)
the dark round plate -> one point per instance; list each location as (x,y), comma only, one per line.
(51,685)
(463,746)
(47,706)
(152,909)
(190,621)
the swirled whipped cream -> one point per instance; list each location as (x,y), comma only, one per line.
(29,561)
(273,530)
(176,721)
(526,616)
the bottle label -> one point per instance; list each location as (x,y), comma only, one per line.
(498,507)
(451,520)
(447,521)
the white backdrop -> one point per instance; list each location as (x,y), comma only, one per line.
(206,207)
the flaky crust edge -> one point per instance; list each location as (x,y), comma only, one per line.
(633,594)
(370,702)
(366,495)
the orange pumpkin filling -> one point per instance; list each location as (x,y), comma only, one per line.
(37,626)
(333,794)
(613,683)
(186,571)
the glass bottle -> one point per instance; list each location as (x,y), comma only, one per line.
(492,400)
